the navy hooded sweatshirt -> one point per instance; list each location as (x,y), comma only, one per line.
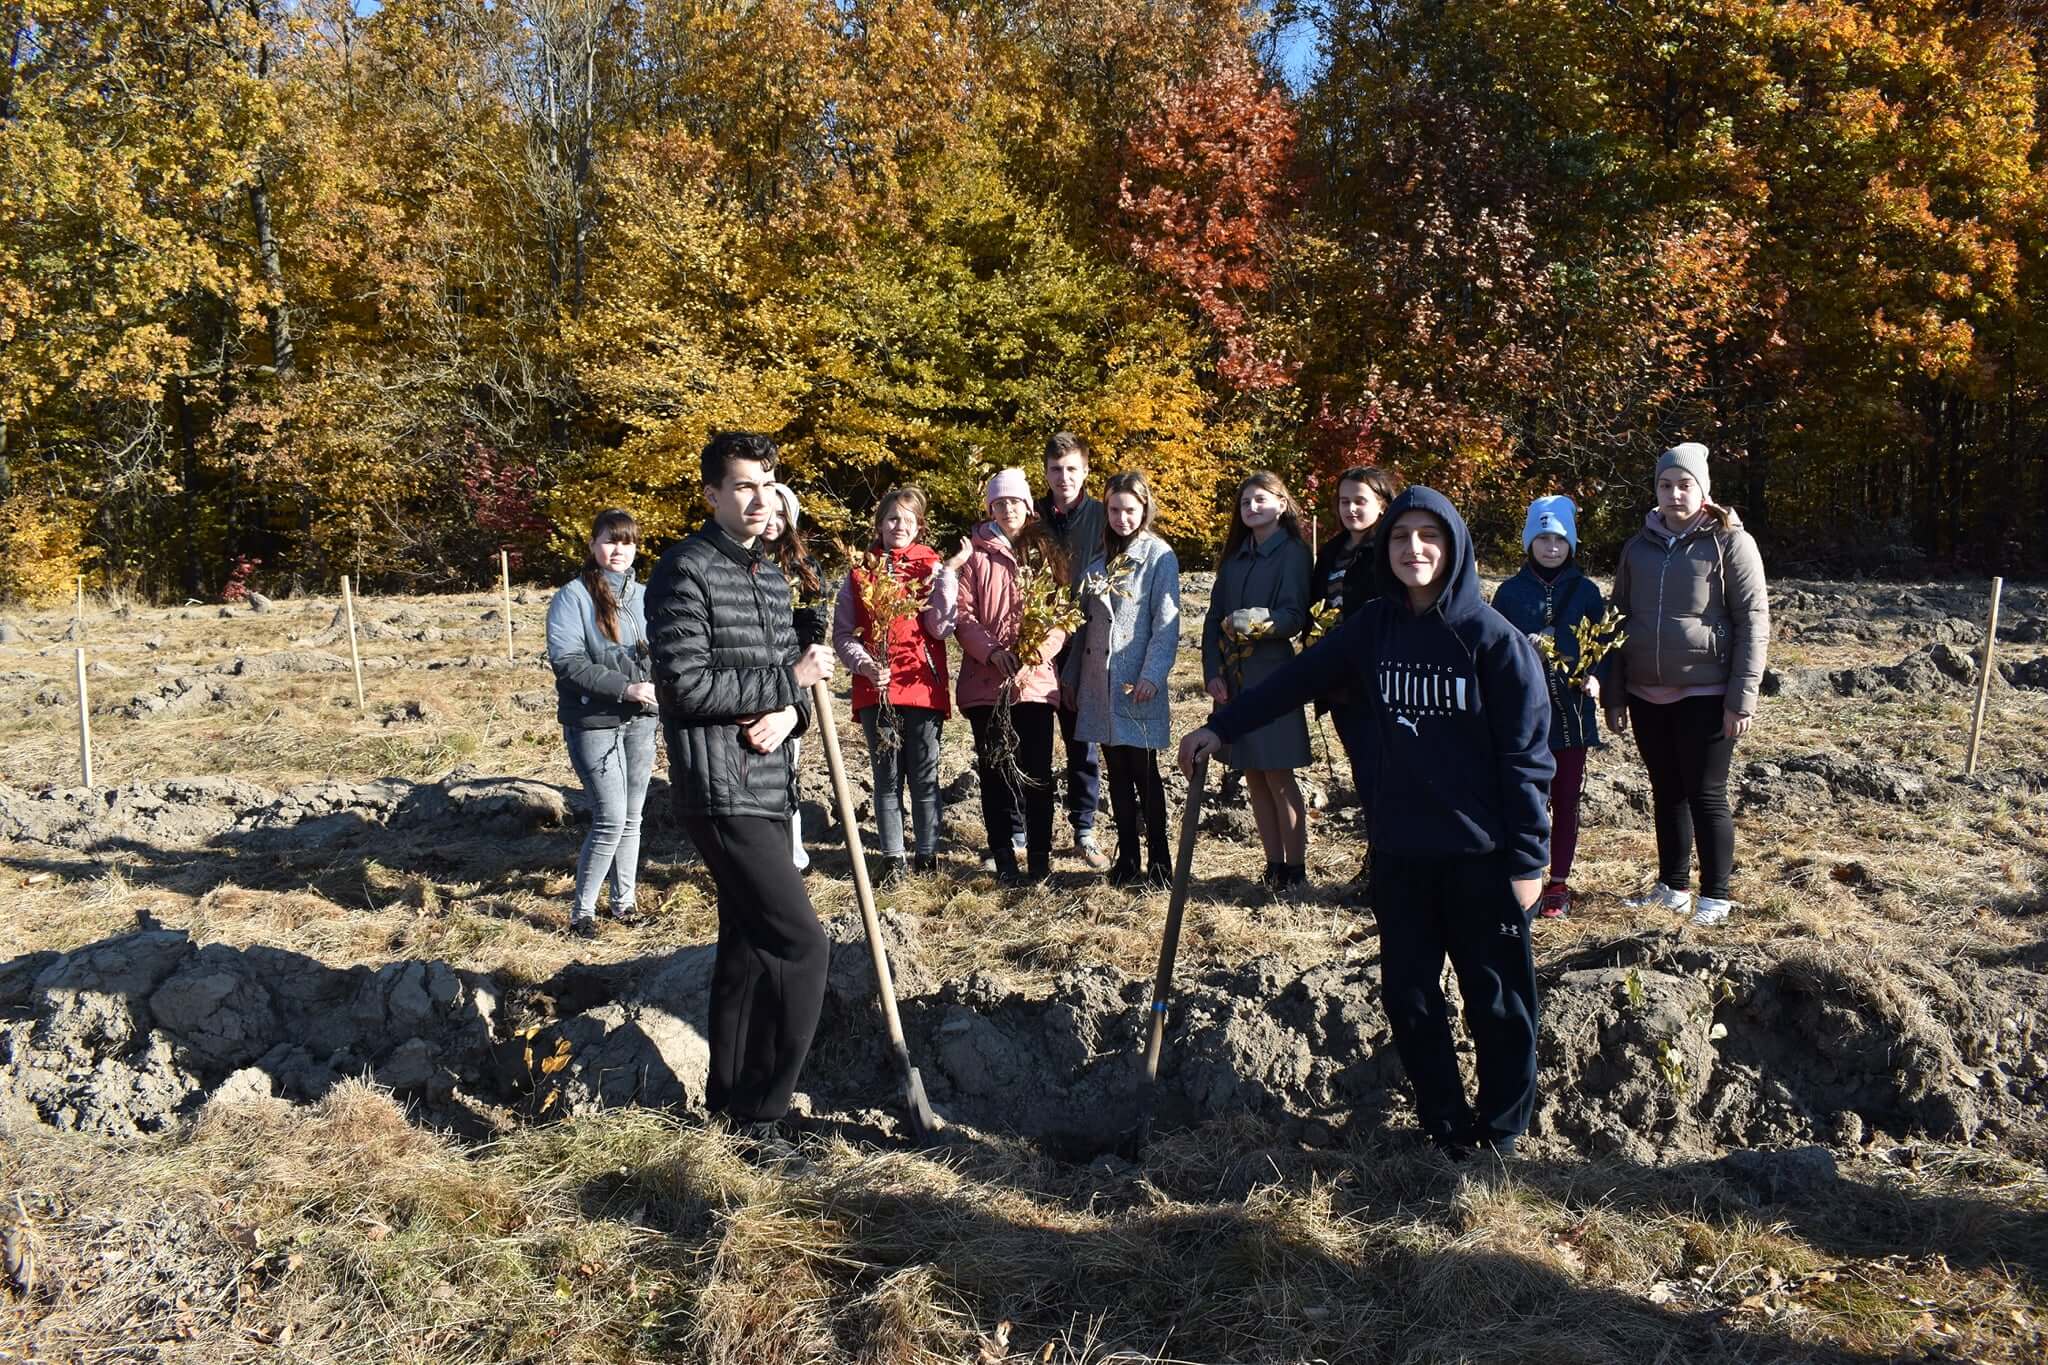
(1459,707)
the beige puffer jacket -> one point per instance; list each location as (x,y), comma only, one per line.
(1695,610)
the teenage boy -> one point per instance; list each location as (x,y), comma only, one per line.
(734,687)
(1078,522)
(1460,817)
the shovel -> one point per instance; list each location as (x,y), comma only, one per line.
(922,1120)
(1169,946)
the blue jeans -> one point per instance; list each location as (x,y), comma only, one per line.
(917,760)
(613,764)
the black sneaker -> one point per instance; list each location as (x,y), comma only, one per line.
(628,916)
(1126,875)
(584,926)
(925,864)
(895,871)
(1456,1149)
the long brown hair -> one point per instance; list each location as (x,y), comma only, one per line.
(1384,486)
(1290,513)
(1034,544)
(792,555)
(614,523)
(1132,483)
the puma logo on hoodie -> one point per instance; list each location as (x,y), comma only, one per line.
(1462,709)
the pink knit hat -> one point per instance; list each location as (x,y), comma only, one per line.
(1010,483)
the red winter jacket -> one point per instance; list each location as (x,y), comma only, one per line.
(916,653)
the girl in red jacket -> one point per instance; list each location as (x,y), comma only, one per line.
(912,663)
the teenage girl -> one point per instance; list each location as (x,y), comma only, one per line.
(1258,607)
(785,542)
(1118,674)
(1691,586)
(1549,597)
(1343,580)
(989,616)
(604,698)
(913,662)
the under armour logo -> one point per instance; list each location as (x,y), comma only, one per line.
(1403,720)
(1511,931)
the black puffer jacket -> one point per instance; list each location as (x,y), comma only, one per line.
(718,626)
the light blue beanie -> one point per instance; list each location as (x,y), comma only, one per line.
(1552,516)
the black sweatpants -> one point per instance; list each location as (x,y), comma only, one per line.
(1034,723)
(1463,907)
(768,981)
(1138,800)
(1688,760)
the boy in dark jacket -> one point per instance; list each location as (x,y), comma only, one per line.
(1460,820)
(734,686)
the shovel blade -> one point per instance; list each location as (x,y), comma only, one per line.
(923,1122)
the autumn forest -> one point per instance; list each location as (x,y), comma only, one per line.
(292,290)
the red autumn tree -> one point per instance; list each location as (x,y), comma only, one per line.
(1207,171)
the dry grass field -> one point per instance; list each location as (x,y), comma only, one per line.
(298,1063)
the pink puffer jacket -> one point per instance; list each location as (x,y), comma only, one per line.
(988,620)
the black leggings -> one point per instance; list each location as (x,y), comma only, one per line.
(1688,759)
(1139,801)
(768,980)
(999,801)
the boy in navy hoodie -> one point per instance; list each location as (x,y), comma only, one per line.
(1460,819)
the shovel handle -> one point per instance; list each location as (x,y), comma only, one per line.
(827,724)
(1176,906)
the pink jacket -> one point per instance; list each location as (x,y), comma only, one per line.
(988,620)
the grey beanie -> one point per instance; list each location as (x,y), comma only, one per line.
(1691,457)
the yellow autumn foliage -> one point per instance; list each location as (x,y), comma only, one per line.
(42,549)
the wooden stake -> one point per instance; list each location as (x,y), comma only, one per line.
(84,722)
(505,583)
(355,655)
(81,615)
(1984,679)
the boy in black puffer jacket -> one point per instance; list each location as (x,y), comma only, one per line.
(734,686)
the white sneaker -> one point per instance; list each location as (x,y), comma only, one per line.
(1711,911)
(1661,897)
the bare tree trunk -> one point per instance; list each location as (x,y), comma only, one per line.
(282,353)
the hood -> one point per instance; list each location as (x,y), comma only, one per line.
(985,533)
(1711,514)
(1461,596)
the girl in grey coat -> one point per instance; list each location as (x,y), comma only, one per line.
(604,697)
(1118,673)
(1259,605)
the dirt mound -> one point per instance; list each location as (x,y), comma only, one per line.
(177,695)
(132,1033)
(192,813)
(1819,781)
(1681,1051)
(176,812)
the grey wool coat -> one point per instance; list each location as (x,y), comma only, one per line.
(1274,576)
(1129,634)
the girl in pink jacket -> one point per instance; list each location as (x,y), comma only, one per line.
(990,613)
